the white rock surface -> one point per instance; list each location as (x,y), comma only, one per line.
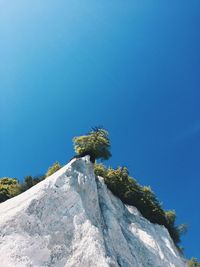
(72,220)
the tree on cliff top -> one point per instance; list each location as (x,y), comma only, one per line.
(96,144)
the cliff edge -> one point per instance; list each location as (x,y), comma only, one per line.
(71,219)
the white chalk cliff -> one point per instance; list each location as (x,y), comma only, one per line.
(72,219)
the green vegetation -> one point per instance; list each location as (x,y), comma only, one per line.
(128,189)
(193,263)
(30,181)
(9,187)
(96,144)
(55,167)
(142,197)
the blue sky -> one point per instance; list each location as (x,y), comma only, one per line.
(131,66)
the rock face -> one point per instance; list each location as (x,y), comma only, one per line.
(72,219)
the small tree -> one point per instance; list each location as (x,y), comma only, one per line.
(96,144)
(55,167)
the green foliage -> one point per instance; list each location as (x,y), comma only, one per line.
(96,144)
(55,167)
(170,216)
(4,194)
(193,262)
(142,197)
(30,181)
(117,181)
(100,170)
(9,187)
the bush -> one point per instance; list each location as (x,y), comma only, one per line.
(9,187)
(142,197)
(193,262)
(171,217)
(30,181)
(100,170)
(4,194)
(96,144)
(55,167)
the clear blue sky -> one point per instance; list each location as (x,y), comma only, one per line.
(131,66)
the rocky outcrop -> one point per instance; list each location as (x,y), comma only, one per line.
(72,219)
